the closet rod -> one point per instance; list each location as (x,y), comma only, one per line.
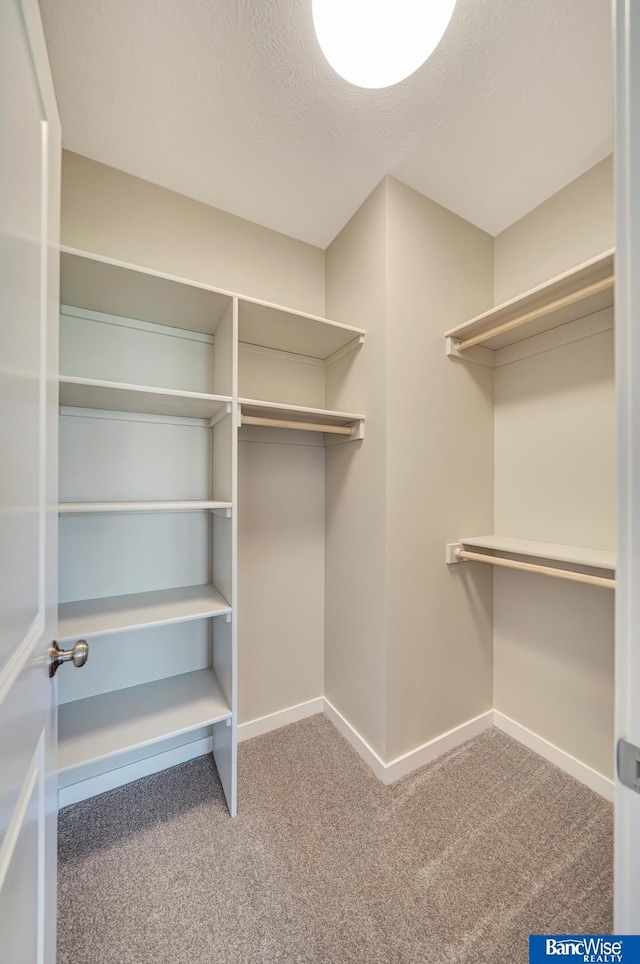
(301,426)
(571,299)
(568,574)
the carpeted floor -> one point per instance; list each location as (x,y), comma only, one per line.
(457,862)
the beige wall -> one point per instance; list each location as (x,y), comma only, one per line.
(356,479)
(280,577)
(122,217)
(408,644)
(555,482)
(572,226)
(440,473)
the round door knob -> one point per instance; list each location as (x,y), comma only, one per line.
(78,655)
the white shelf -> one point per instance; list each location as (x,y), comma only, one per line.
(564,285)
(68,508)
(105,725)
(252,406)
(271,326)
(95,617)
(122,397)
(574,555)
(116,288)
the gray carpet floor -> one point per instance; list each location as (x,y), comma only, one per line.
(454,864)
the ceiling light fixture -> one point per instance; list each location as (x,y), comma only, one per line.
(377,43)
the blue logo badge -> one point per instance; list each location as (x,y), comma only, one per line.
(586,948)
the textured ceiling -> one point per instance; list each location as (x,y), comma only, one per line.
(231,102)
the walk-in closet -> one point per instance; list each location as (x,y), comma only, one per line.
(318,512)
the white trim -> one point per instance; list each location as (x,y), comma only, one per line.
(360,745)
(120,321)
(18,816)
(13,665)
(273,721)
(75,792)
(575,768)
(431,750)
(408,762)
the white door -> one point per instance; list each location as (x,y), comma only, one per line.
(627,166)
(29,227)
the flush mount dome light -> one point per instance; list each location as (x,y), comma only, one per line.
(377,43)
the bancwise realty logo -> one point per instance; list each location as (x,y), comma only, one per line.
(586,948)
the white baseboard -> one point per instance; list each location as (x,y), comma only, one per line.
(585,774)
(293,714)
(84,789)
(386,772)
(402,765)
(440,744)
(357,742)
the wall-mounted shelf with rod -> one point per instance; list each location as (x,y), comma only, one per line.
(525,550)
(574,295)
(336,426)
(97,617)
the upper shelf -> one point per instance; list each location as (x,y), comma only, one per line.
(102,284)
(573,295)
(574,555)
(122,397)
(271,326)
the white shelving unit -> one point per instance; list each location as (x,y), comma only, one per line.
(150,411)
(148,534)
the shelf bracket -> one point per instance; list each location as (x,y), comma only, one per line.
(345,350)
(227,617)
(453,548)
(357,432)
(477,355)
(225,513)
(222,412)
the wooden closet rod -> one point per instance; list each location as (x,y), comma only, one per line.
(301,426)
(541,570)
(538,312)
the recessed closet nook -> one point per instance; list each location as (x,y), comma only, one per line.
(277,463)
